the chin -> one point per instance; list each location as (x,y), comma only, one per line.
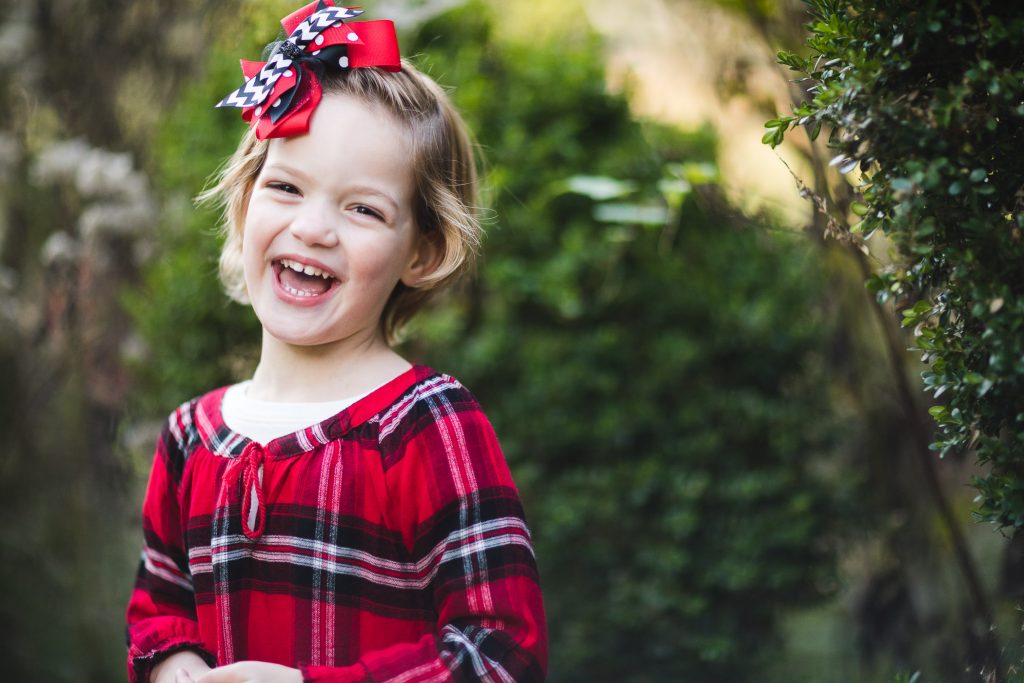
(300,339)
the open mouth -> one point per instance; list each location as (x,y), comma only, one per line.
(302,279)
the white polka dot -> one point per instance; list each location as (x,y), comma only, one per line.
(315,52)
(277,103)
(343,62)
(287,74)
(353,36)
(259,111)
(319,40)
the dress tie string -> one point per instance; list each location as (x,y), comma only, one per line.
(251,476)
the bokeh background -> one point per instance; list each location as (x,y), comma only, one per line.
(706,412)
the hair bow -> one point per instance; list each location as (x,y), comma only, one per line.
(281,94)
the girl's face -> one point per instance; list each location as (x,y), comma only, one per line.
(329,229)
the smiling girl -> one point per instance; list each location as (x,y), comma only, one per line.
(344,515)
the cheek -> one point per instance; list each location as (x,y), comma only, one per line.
(246,240)
(252,254)
(254,239)
(244,235)
(382,261)
(246,247)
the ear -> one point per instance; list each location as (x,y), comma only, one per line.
(425,260)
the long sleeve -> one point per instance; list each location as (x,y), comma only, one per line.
(161,616)
(460,516)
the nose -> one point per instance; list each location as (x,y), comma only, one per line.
(315,223)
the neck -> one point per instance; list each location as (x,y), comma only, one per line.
(329,372)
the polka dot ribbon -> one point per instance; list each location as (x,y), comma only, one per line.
(281,94)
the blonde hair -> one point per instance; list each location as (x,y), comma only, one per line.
(444,175)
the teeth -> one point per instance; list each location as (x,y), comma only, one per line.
(305,269)
(296,292)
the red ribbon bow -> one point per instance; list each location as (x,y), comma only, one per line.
(280,95)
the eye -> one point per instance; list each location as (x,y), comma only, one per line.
(287,188)
(368,211)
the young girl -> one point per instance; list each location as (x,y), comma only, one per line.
(344,515)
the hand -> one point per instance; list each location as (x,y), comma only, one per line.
(188,661)
(248,672)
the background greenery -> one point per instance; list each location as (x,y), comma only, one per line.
(707,416)
(929,107)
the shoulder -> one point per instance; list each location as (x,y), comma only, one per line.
(182,431)
(437,408)
(434,397)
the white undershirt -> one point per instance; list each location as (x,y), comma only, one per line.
(264,421)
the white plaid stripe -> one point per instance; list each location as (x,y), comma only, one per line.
(333,538)
(390,420)
(161,566)
(340,560)
(318,432)
(471,648)
(461,471)
(422,670)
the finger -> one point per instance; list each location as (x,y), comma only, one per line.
(212,676)
(222,674)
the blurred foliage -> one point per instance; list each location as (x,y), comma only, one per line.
(195,335)
(75,227)
(926,102)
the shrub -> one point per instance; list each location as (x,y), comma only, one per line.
(926,101)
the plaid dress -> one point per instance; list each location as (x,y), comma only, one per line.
(386,543)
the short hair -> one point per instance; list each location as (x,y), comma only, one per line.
(444,176)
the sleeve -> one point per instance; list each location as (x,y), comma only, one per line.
(161,617)
(460,513)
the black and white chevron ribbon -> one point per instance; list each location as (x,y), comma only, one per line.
(259,87)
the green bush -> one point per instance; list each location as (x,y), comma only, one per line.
(927,102)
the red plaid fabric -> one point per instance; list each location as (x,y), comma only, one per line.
(389,544)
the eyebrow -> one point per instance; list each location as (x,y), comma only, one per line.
(366,189)
(277,165)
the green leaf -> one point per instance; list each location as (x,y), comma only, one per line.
(816,130)
(599,188)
